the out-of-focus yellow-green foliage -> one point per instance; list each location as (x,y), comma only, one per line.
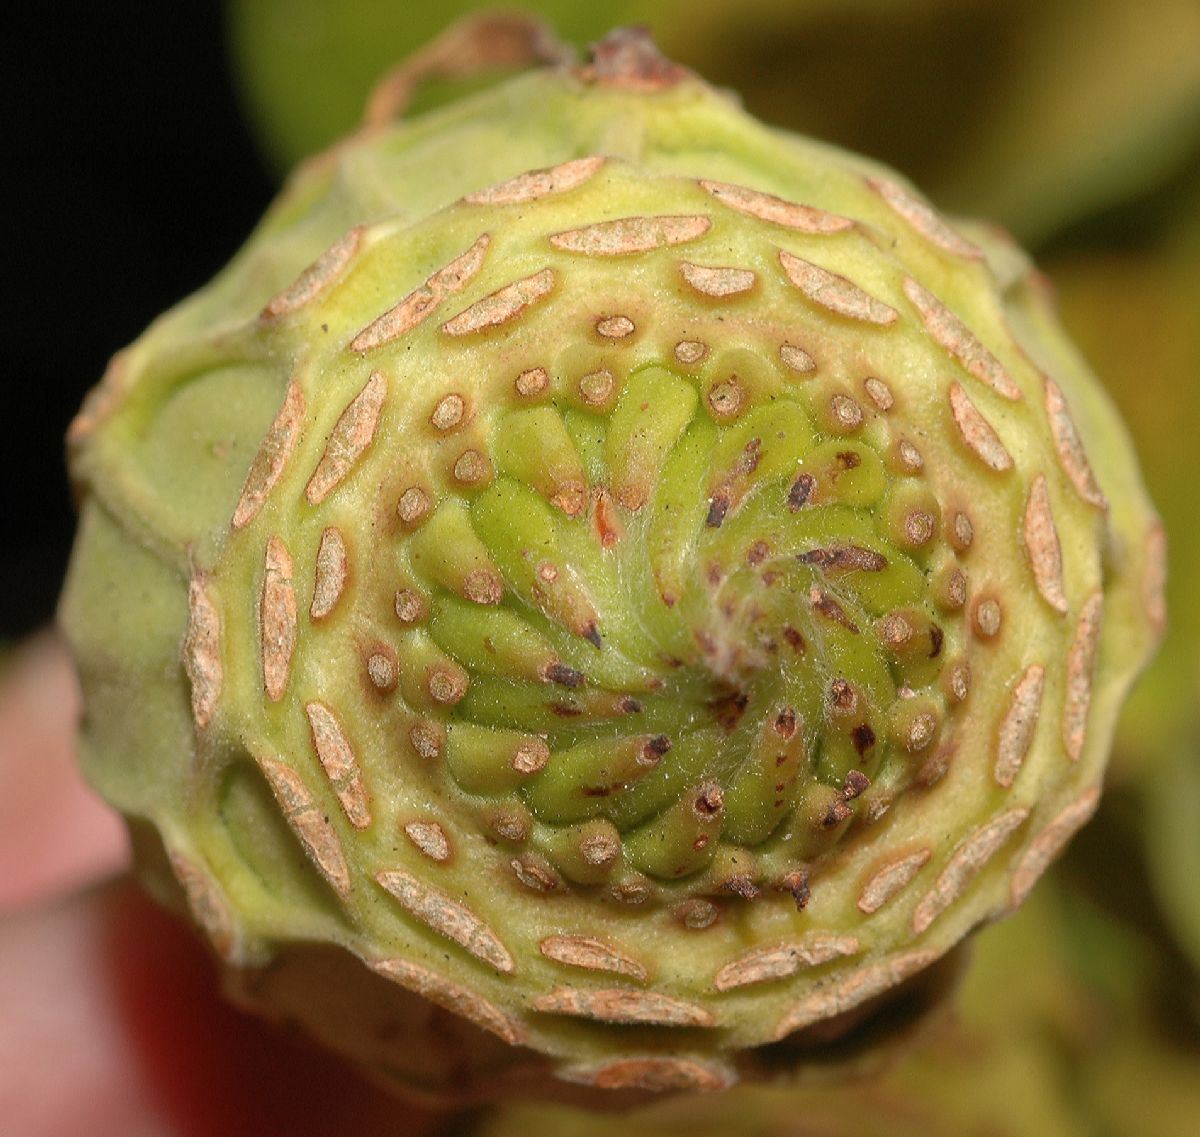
(1026,112)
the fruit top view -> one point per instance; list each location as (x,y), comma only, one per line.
(603,600)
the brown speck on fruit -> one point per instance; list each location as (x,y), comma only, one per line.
(592,955)
(719,283)
(351,435)
(623,1005)
(962,532)
(658,1076)
(1081,662)
(879,393)
(797,359)
(531,382)
(1049,842)
(1070,449)
(536,184)
(766,964)
(1018,725)
(718,507)
(796,882)
(446,685)
(531,756)
(843,698)
(596,387)
(309,823)
(890,879)
(828,607)
(835,293)
(919,527)
(535,874)
(775,210)
(631,235)
(449,412)
(845,413)
(689,352)
(431,839)
(206,904)
(615,327)
(563,675)
(800,491)
(960,682)
(512,825)
(452,997)
(895,630)
(470,468)
(273,454)
(1042,546)
(277,619)
(413,506)
(317,277)
(483,586)
(202,650)
(923,219)
(426,740)
(757,553)
(958,341)
(329,575)
(863,738)
(627,58)
(446,916)
(725,399)
(977,432)
(709,802)
(794,639)
(845,558)
(909,457)
(654,750)
(966,862)
(986,617)
(411,607)
(600,848)
(696,914)
(339,762)
(422,302)
(502,306)
(381,669)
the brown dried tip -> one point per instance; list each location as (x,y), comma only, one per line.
(628,58)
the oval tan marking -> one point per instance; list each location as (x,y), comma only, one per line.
(1081,662)
(1049,842)
(957,340)
(797,359)
(615,327)
(591,954)
(689,352)
(426,740)
(725,399)
(451,997)
(596,387)
(470,468)
(986,617)
(967,861)
(503,305)
(339,762)
(924,219)
(531,756)
(853,990)
(1070,449)
(623,1005)
(535,874)
(1154,578)
(718,283)
(977,432)
(411,607)
(962,532)
(413,506)
(535,184)
(631,235)
(206,904)
(448,918)
(777,211)
(317,277)
(273,454)
(764,964)
(447,684)
(202,650)
(909,457)
(654,1075)
(382,669)
(309,823)
(329,577)
(532,382)
(353,432)
(449,412)
(421,302)
(835,293)
(1019,724)
(277,619)
(891,879)
(431,839)
(483,586)
(879,393)
(1042,546)
(845,412)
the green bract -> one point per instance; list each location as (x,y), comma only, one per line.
(649,587)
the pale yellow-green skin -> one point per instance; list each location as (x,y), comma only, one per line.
(623,975)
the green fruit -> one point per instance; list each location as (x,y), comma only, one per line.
(640,595)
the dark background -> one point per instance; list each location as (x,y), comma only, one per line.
(130,179)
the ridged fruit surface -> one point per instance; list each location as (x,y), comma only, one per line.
(599,587)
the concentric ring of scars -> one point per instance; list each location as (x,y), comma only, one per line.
(749,415)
